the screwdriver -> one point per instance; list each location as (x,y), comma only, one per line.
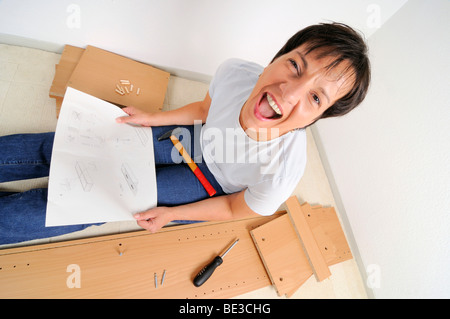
(208,270)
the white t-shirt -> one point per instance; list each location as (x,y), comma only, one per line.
(269,171)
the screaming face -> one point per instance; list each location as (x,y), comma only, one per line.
(293,92)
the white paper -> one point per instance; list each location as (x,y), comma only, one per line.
(101,171)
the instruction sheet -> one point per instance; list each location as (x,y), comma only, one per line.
(101,171)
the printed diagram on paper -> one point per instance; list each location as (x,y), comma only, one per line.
(100,170)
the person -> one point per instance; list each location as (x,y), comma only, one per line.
(252,141)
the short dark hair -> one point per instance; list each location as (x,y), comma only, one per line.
(344,44)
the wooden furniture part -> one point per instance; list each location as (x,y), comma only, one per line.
(98,72)
(284,254)
(124,265)
(298,219)
(43,271)
(63,70)
(326,227)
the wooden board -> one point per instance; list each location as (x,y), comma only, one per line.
(325,225)
(43,271)
(63,70)
(282,254)
(315,257)
(98,72)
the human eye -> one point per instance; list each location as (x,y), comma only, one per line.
(316,99)
(295,65)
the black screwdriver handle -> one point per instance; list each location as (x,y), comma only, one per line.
(207,271)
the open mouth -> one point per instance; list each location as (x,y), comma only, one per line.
(267,108)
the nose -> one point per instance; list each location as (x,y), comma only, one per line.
(292,92)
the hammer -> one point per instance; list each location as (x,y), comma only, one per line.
(197,172)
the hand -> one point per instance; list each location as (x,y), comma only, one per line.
(135,116)
(154,219)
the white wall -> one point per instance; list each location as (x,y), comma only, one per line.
(390,159)
(190,35)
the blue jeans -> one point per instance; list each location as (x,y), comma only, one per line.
(26,156)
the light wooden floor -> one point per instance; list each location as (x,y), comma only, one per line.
(25,107)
